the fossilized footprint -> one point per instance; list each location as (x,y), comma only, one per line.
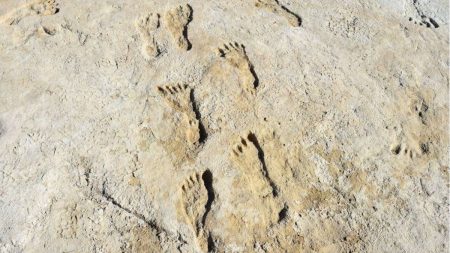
(194,197)
(177,20)
(275,7)
(40,7)
(413,150)
(235,54)
(245,155)
(178,96)
(147,26)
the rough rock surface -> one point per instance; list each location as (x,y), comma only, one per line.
(224,126)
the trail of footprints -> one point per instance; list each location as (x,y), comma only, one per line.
(197,194)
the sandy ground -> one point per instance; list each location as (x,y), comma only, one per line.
(224,126)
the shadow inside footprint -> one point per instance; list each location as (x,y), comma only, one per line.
(251,67)
(198,116)
(299,19)
(254,140)
(185,30)
(256,83)
(208,181)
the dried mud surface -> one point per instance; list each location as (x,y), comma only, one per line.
(224,126)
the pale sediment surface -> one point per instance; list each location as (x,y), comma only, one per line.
(224,126)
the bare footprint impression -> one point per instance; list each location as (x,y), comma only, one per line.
(178,96)
(147,26)
(236,55)
(274,6)
(40,8)
(177,20)
(256,194)
(197,196)
(247,157)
